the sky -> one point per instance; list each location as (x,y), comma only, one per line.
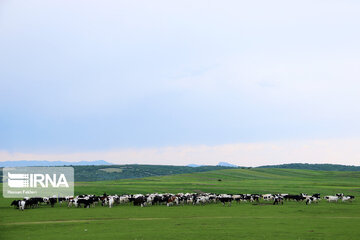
(180,82)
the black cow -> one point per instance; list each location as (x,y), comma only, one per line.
(225,198)
(294,197)
(86,202)
(316,195)
(278,199)
(52,201)
(140,201)
(15,203)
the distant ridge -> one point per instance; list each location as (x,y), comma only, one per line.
(25,163)
(193,165)
(320,167)
(226,164)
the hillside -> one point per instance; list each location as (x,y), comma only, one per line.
(99,173)
(321,167)
(256,180)
(210,221)
(112,172)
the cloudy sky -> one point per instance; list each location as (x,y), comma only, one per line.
(179,82)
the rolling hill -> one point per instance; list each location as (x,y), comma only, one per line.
(234,180)
(112,172)
(320,167)
(95,172)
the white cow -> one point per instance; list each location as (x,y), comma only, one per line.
(347,198)
(111,201)
(124,199)
(268,197)
(22,205)
(331,198)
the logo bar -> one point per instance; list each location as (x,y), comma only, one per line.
(38,182)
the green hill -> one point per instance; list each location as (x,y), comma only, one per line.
(320,167)
(257,180)
(112,172)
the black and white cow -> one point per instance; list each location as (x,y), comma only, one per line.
(278,199)
(348,198)
(225,198)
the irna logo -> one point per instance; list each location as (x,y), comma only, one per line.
(38,182)
(17,180)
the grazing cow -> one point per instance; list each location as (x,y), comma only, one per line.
(268,197)
(317,195)
(157,200)
(331,198)
(224,198)
(190,198)
(52,201)
(172,200)
(140,201)
(111,202)
(278,199)
(15,203)
(202,200)
(256,197)
(294,197)
(309,200)
(237,198)
(347,198)
(22,204)
(247,197)
(85,201)
(123,199)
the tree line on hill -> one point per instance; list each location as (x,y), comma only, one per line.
(319,167)
(112,172)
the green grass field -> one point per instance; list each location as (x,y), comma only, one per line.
(240,221)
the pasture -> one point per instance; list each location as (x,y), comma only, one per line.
(293,220)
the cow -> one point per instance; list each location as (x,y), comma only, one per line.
(294,197)
(52,201)
(87,201)
(111,202)
(172,200)
(22,204)
(340,195)
(278,199)
(317,195)
(332,198)
(202,200)
(15,203)
(255,197)
(268,197)
(347,198)
(140,201)
(311,199)
(237,198)
(224,198)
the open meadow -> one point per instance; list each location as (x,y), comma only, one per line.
(292,220)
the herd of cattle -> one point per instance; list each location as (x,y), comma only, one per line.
(172,199)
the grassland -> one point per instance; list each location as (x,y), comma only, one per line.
(240,221)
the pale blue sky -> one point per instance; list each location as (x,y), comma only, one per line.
(105,76)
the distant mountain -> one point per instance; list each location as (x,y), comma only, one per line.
(193,165)
(50,163)
(226,164)
(321,167)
